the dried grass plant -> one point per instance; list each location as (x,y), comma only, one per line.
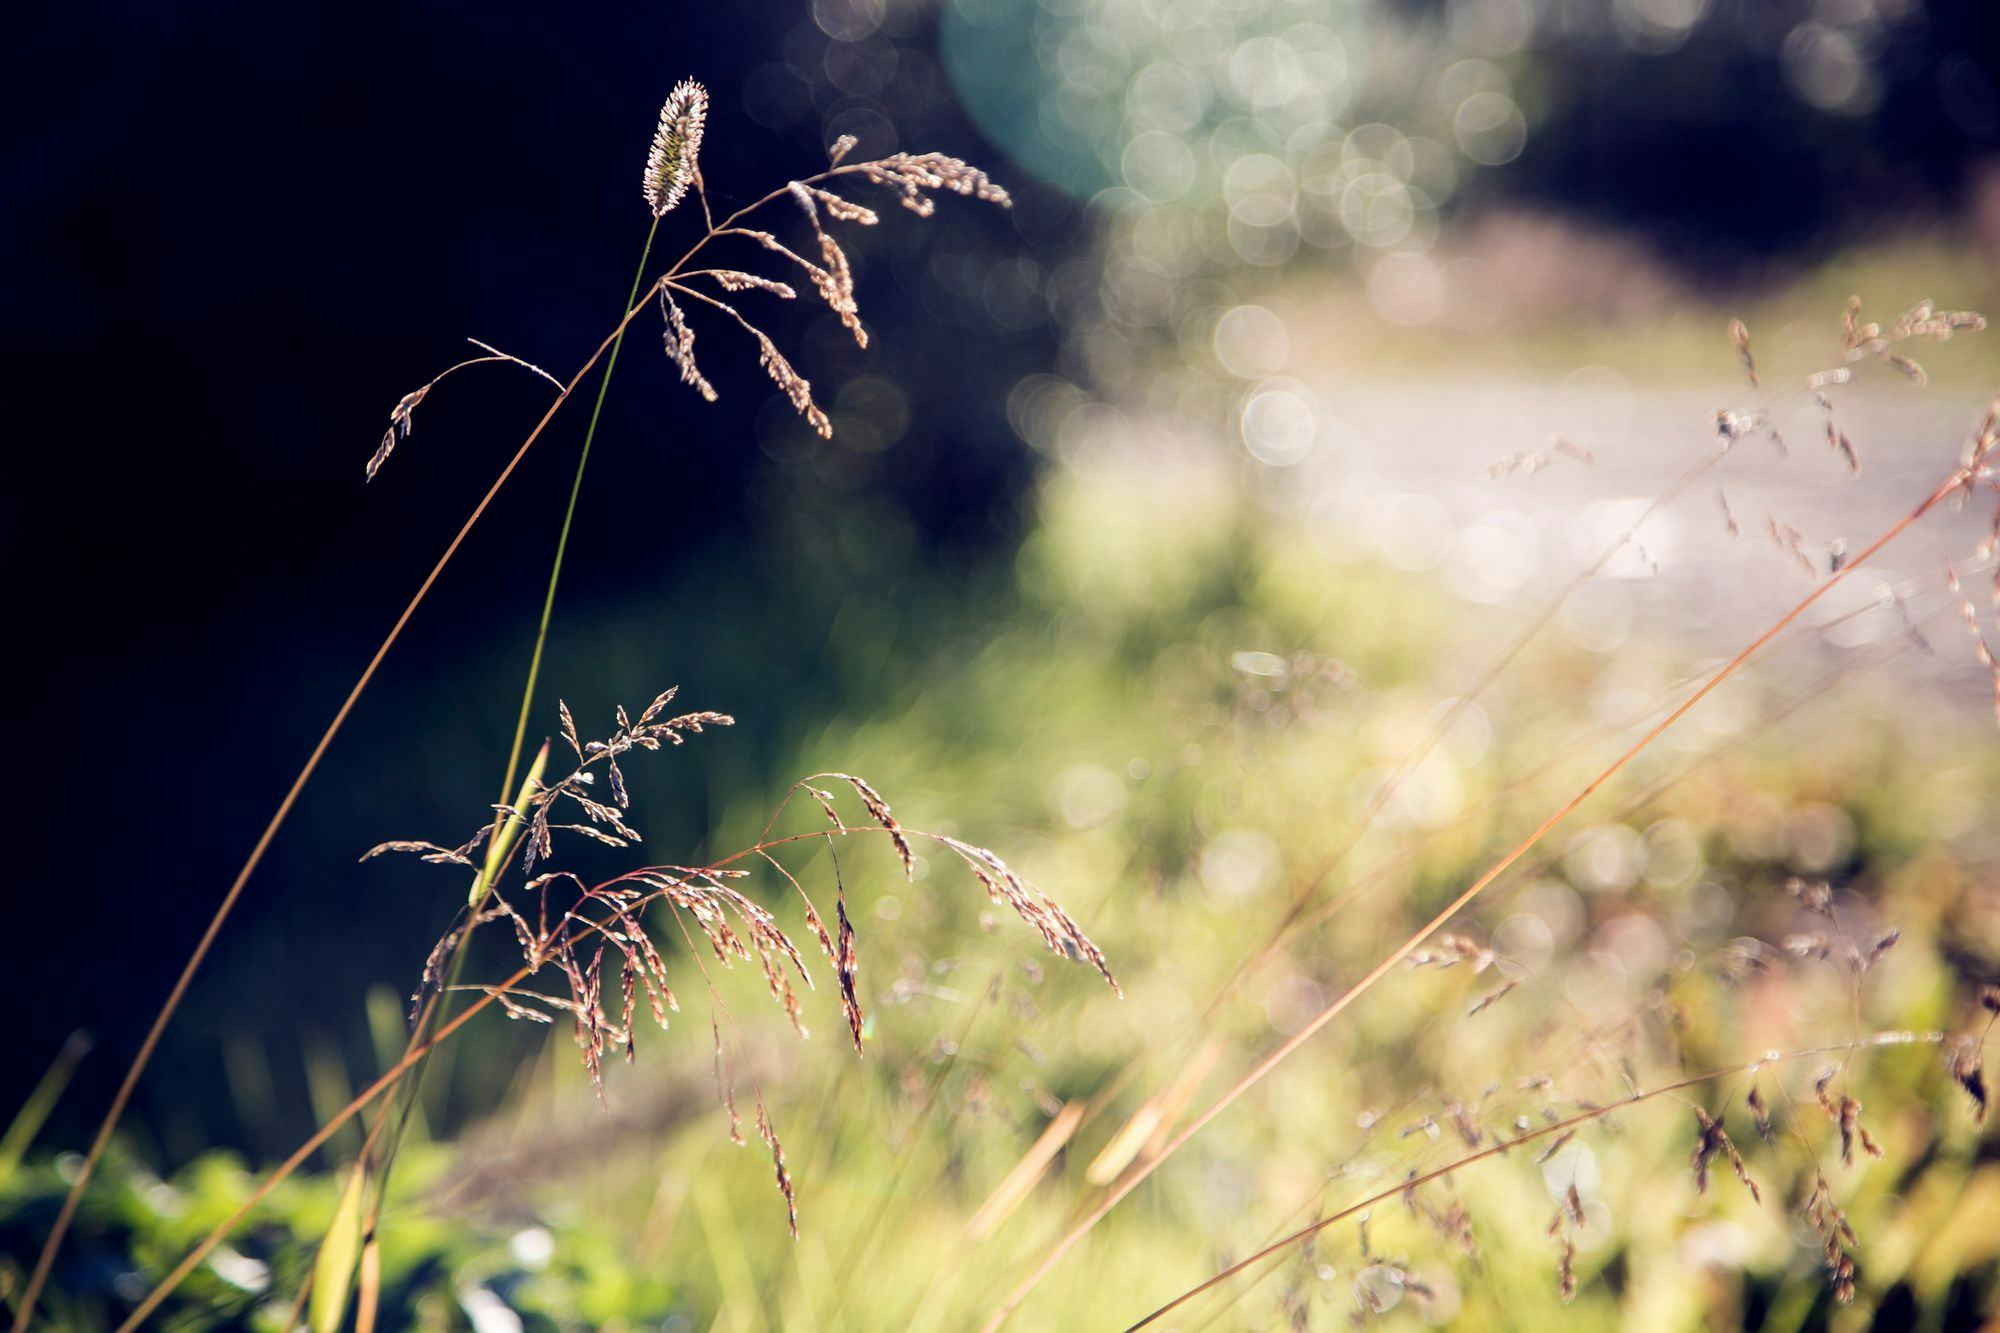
(607,914)
(598,941)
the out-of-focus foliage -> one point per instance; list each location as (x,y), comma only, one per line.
(439,1270)
(1171,709)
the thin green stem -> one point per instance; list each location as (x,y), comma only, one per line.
(569,516)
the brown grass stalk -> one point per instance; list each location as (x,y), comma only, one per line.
(1125,1145)
(1295,910)
(1148,1127)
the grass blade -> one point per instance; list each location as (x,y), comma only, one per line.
(333,1273)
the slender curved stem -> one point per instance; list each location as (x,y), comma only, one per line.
(1299,915)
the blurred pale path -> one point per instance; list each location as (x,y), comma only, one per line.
(1403,471)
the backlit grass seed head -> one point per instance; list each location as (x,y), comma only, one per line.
(671,162)
(914,175)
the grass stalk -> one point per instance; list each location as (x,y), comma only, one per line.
(28,1120)
(569,516)
(1299,914)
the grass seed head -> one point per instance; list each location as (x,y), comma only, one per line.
(672,162)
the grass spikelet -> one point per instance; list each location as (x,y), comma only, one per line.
(878,810)
(402,417)
(1838,439)
(1485,1001)
(1760,1113)
(679,341)
(915,176)
(796,387)
(1739,334)
(845,210)
(735,280)
(1981,649)
(725,1085)
(672,161)
(1793,543)
(784,1174)
(1555,1146)
(835,280)
(1708,1142)
(1848,1114)
(1837,1238)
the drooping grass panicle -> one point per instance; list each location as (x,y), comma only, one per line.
(915,178)
(835,280)
(679,337)
(582,932)
(796,387)
(402,417)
